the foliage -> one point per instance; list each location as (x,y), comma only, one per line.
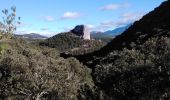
(134,66)
(72,44)
(28,72)
(9,24)
(3,47)
(141,74)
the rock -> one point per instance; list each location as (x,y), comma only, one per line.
(82,31)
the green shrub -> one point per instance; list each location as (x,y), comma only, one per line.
(30,73)
(3,47)
(142,74)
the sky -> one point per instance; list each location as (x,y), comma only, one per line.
(50,17)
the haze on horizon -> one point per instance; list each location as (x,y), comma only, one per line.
(53,16)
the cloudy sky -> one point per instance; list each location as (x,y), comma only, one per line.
(49,17)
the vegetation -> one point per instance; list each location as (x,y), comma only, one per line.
(10,22)
(32,72)
(135,65)
(105,40)
(36,73)
(2,48)
(141,74)
(69,43)
(137,68)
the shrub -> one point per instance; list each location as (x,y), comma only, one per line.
(31,73)
(9,24)
(141,74)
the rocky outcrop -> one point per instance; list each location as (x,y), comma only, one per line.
(82,31)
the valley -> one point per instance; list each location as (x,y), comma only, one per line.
(129,63)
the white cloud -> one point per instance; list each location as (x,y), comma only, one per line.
(48,18)
(90,26)
(103,26)
(124,19)
(115,6)
(70,15)
(127,18)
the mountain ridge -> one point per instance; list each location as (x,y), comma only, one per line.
(31,36)
(110,33)
(118,30)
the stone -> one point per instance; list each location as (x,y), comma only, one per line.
(82,31)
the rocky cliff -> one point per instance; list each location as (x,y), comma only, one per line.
(82,31)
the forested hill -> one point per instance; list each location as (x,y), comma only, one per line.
(72,44)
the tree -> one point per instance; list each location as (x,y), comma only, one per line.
(10,22)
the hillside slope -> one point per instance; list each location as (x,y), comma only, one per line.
(72,44)
(35,73)
(108,35)
(31,36)
(117,31)
(140,73)
(136,64)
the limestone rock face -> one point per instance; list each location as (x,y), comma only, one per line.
(82,31)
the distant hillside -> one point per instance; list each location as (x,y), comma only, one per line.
(109,35)
(97,34)
(72,44)
(31,36)
(117,31)
(101,36)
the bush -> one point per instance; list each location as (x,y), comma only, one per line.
(142,74)
(29,73)
(9,24)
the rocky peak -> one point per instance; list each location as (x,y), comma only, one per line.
(82,31)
